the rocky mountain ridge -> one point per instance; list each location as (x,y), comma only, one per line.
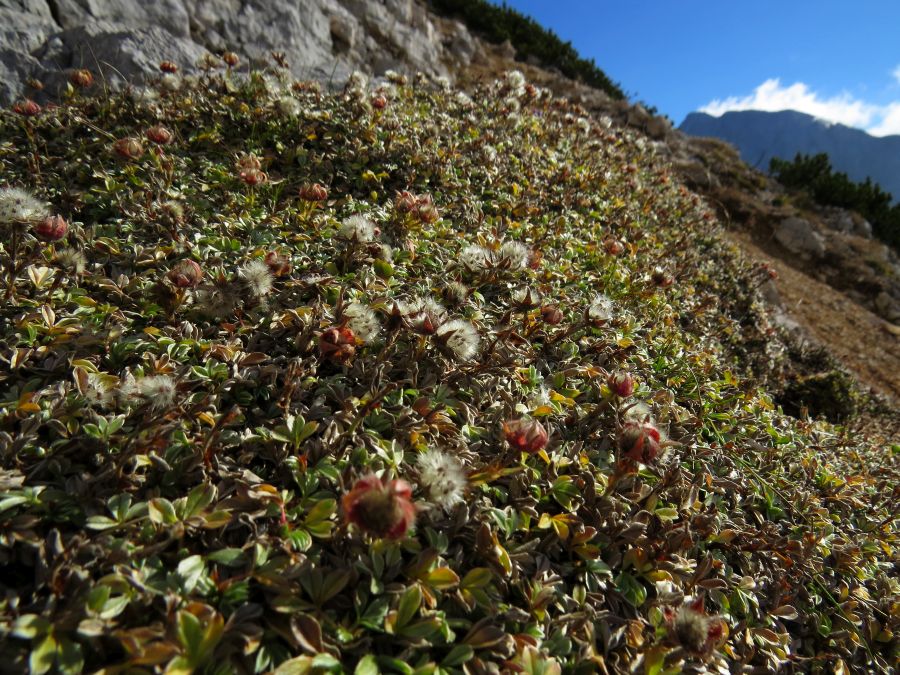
(760,136)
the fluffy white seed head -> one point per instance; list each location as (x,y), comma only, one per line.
(72,260)
(357,229)
(258,277)
(461,339)
(475,258)
(526,296)
(362,321)
(289,106)
(19,206)
(463,100)
(600,309)
(159,390)
(425,315)
(442,477)
(513,255)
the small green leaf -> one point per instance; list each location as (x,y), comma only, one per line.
(633,590)
(367,666)
(409,605)
(162,511)
(230,557)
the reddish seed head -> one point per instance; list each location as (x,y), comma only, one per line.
(338,344)
(278,264)
(426,211)
(640,442)
(315,192)
(160,135)
(525,434)
(379,102)
(613,246)
(168,67)
(51,228)
(129,148)
(231,59)
(690,627)
(381,509)
(254,176)
(621,384)
(404,202)
(249,161)
(81,78)
(186,274)
(661,278)
(27,108)
(551,315)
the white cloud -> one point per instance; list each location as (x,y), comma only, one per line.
(896,74)
(889,123)
(771,96)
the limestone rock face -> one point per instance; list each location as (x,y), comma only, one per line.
(124,40)
(799,236)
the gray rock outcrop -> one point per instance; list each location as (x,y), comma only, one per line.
(799,236)
(124,40)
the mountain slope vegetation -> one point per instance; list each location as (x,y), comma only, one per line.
(403,380)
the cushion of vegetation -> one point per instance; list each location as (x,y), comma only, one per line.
(402,381)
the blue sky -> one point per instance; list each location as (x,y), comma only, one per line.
(836,59)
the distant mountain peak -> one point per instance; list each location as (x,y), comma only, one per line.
(760,135)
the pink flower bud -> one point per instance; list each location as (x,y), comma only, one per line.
(51,228)
(160,135)
(315,192)
(640,442)
(129,148)
(621,384)
(81,78)
(186,274)
(27,108)
(381,509)
(525,434)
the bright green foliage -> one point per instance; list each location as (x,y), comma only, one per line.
(179,441)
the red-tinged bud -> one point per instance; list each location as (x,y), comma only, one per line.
(51,228)
(81,78)
(613,246)
(168,67)
(525,434)
(186,274)
(381,509)
(254,177)
(405,202)
(379,102)
(249,161)
(695,631)
(661,278)
(337,344)
(621,384)
(315,192)
(231,59)
(640,442)
(160,135)
(129,148)
(27,108)
(278,264)
(552,316)
(426,211)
